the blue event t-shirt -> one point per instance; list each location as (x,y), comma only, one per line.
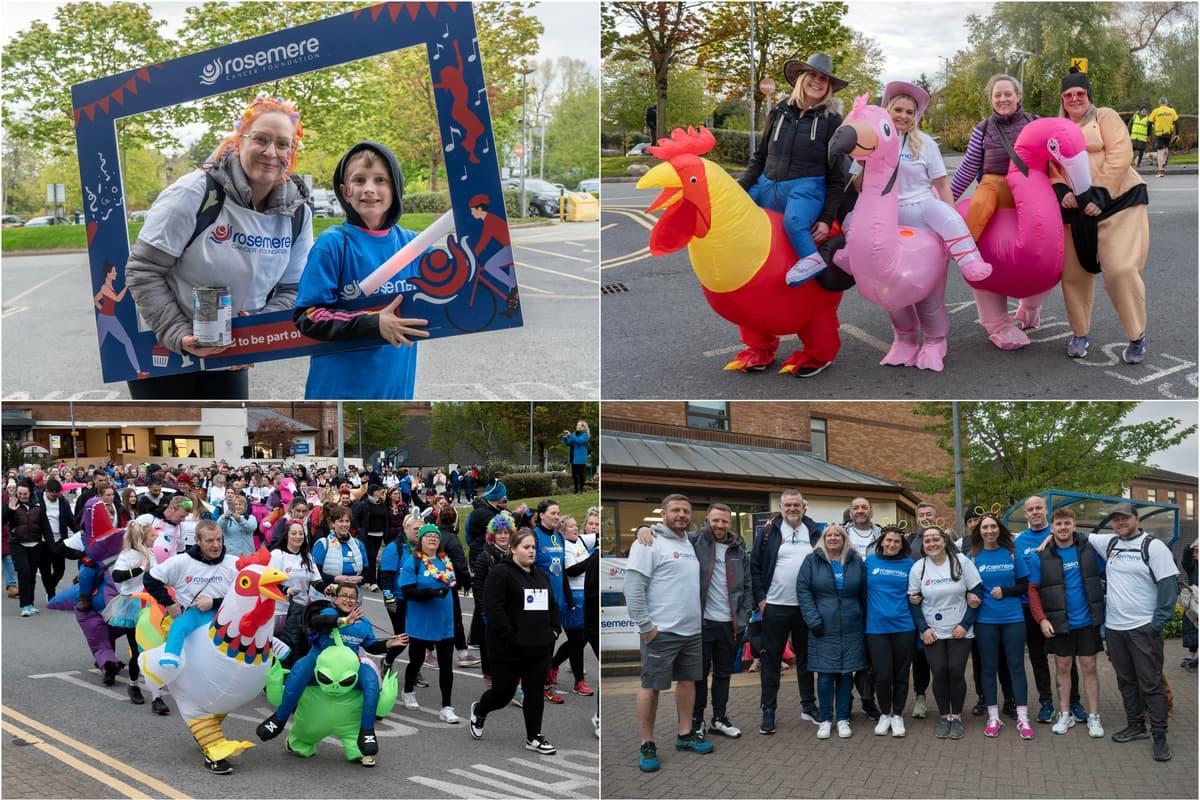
(1026,546)
(430,620)
(1000,568)
(887,595)
(1078,614)
(391,559)
(353,635)
(341,257)
(839,575)
(551,557)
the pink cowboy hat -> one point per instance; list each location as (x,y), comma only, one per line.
(912,90)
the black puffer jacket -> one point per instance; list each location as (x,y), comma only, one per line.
(514,634)
(796,145)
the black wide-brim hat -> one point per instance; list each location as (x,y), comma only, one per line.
(820,63)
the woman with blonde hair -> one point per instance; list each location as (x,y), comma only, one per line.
(790,171)
(122,611)
(577,446)
(831,588)
(251,183)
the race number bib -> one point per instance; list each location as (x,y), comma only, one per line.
(537,599)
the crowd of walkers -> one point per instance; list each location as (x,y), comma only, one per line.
(869,608)
(533,574)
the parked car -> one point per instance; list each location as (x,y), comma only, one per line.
(639,149)
(11,221)
(138,216)
(543,195)
(41,222)
(589,185)
(325,204)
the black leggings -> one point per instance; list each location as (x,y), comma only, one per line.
(131,636)
(371,570)
(26,561)
(920,670)
(947,667)
(891,656)
(578,476)
(572,648)
(505,676)
(460,634)
(218,384)
(445,656)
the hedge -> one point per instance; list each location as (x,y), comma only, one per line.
(732,147)
(528,484)
(439,202)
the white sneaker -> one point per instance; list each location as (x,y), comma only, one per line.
(447,715)
(823,730)
(1095,729)
(884,726)
(724,726)
(844,731)
(538,744)
(410,700)
(898,726)
(1066,721)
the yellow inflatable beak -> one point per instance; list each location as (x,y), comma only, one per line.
(662,176)
(268,584)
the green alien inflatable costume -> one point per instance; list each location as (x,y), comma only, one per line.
(333,706)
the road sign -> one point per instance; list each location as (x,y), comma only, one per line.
(300,448)
(1079,64)
(56,193)
(767,86)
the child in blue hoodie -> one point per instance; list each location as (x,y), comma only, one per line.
(370,187)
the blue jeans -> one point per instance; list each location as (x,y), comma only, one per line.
(10,572)
(799,200)
(302,675)
(990,637)
(184,624)
(827,684)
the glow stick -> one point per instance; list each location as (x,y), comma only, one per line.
(443,226)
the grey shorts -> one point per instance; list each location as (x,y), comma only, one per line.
(671,657)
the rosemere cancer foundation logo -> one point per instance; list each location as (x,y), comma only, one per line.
(211,72)
(221,234)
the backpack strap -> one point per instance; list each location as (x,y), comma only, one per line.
(1012,154)
(1145,550)
(210,208)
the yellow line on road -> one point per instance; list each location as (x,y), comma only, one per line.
(556,272)
(72,761)
(556,255)
(160,788)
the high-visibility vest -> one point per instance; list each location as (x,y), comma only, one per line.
(1138,128)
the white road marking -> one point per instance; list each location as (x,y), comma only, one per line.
(37,286)
(553,254)
(524,265)
(609,225)
(864,337)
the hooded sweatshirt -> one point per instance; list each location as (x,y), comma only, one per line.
(341,257)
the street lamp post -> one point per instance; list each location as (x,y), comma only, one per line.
(341,440)
(753,86)
(360,439)
(542,146)
(526,71)
(1021,54)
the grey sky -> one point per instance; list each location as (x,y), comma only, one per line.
(1181,458)
(912,36)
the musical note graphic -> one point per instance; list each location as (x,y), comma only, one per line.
(464,175)
(478,99)
(475,50)
(453,130)
(446,35)
(438,54)
(487,147)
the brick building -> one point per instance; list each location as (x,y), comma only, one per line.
(745,453)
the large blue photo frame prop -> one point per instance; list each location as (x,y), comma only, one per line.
(452,290)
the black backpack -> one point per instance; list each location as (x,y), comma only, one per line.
(214,201)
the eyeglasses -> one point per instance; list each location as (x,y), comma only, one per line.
(1079,95)
(262,141)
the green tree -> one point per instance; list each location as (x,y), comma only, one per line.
(629,91)
(781,31)
(551,419)
(1012,450)
(663,34)
(572,135)
(1173,67)
(384,427)
(859,63)
(488,430)
(86,41)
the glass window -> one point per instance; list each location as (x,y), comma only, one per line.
(710,415)
(1152,495)
(128,442)
(1170,495)
(820,440)
(1190,506)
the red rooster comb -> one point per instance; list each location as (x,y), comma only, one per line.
(260,556)
(690,142)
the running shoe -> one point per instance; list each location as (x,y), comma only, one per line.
(1064,723)
(552,676)
(824,729)
(368,744)
(956,728)
(898,726)
(269,728)
(519,698)
(1080,713)
(581,688)
(844,731)
(648,760)
(809,713)
(943,728)
(1025,730)
(1046,713)
(26,612)
(110,673)
(158,706)
(410,700)
(448,716)
(993,727)
(723,726)
(1078,346)
(768,722)
(466,660)
(870,709)
(219,767)
(538,744)
(1161,751)
(694,743)
(135,695)
(1095,729)
(552,696)
(1135,353)
(884,726)
(367,761)
(1129,733)
(920,710)
(475,722)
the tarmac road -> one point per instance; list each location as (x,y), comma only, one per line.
(661,339)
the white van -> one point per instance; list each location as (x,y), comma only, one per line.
(617,630)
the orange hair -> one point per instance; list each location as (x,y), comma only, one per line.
(259,106)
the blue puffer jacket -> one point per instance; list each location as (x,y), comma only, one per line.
(841,645)
(577,443)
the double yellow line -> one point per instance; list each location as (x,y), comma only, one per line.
(25,730)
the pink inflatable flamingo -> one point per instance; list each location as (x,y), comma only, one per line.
(1025,244)
(900,269)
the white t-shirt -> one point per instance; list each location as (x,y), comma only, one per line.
(1132,595)
(249,252)
(716,606)
(782,591)
(862,541)
(52,516)
(216,495)
(574,552)
(192,578)
(673,596)
(943,600)
(914,184)
(299,577)
(129,559)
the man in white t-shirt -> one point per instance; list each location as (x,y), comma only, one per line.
(662,593)
(775,559)
(1142,590)
(862,533)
